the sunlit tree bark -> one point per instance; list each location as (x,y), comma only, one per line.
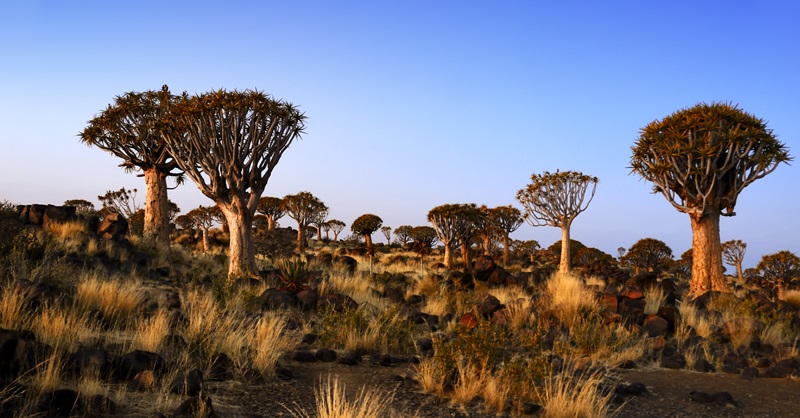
(555,200)
(700,159)
(229,143)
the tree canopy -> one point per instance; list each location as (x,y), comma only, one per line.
(700,159)
(365,225)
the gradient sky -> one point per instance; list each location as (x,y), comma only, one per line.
(415,104)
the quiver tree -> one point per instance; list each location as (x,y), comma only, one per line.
(422,240)
(733,253)
(203,218)
(528,248)
(779,269)
(365,225)
(272,209)
(319,221)
(82,207)
(648,254)
(455,223)
(228,143)
(129,129)
(387,232)
(336,226)
(505,219)
(700,159)
(122,201)
(304,208)
(487,232)
(555,200)
(402,234)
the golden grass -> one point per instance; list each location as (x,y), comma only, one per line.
(118,301)
(63,327)
(654,297)
(47,374)
(792,297)
(568,297)
(430,375)
(332,402)
(469,383)
(570,395)
(269,342)
(12,309)
(150,332)
(69,230)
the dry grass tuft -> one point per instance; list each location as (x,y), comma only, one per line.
(571,394)
(12,309)
(792,297)
(63,327)
(654,297)
(332,402)
(117,301)
(568,297)
(150,332)
(269,342)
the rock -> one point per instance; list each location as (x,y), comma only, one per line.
(113,227)
(307,299)
(700,397)
(425,346)
(304,356)
(336,302)
(274,299)
(144,380)
(632,311)
(58,214)
(676,361)
(309,338)
(189,384)
(349,264)
(326,355)
(349,360)
(468,320)
(724,399)
(483,267)
(655,325)
(99,405)
(488,306)
(283,373)
(130,364)
(88,362)
(608,302)
(461,280)
(196,407)
(530,408)
(380,360)
(60,402)
(703,366)
(636,389)
(750,372)
(220,369)
(632,292)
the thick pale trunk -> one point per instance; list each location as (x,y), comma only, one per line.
(156,206)
(319,233)
(739,274)
(564,265)
(301,238)
(486,244)
(448,255)
(206,244)
(707,271)
(270,223)
(505,249)
(465,256)
(368,240)
(241,254)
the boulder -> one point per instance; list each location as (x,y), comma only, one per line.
(336,302)
(113,227)
(197,406)
(58,214)
(130,364)
(483,267)
(60,403)
(488,306)
(276,299)
(349,264)
(88,362)
(655,325)
(189,384)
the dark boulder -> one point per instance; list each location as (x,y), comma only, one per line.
(273,299)
(114,227)
(130,364)
(189,384)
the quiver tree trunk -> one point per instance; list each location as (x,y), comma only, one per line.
(465,256)
(448,255)
(301,239)
(156,207)
(707,272)
(564,264)
(270,223)
(505,249)
(241,251)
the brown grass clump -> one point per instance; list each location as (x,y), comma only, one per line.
(568,297)
(62,327)
(269,342)
(117,301)
(332,402)
(150,332)
(792,297)
(654,297)
(572,394)
(12,308)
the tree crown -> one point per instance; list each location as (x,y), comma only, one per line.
(555,199)
(366,224)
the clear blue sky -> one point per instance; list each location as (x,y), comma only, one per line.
(414,104)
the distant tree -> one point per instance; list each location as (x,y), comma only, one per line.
(272,209)
(682,268)
(318,221)
(337,227)
(387,232)
(700,159)
(527,248)
(304,208)
(505,219)
(128,129)
(554,251)
(228,143)
(422,239)
(648,254)
(203,218)
(779,268)
(455,223)
(733,254)
(82,207)
(122,201)
(621,252)
(365,225)
(589,256)
(555,200)
(401,234)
